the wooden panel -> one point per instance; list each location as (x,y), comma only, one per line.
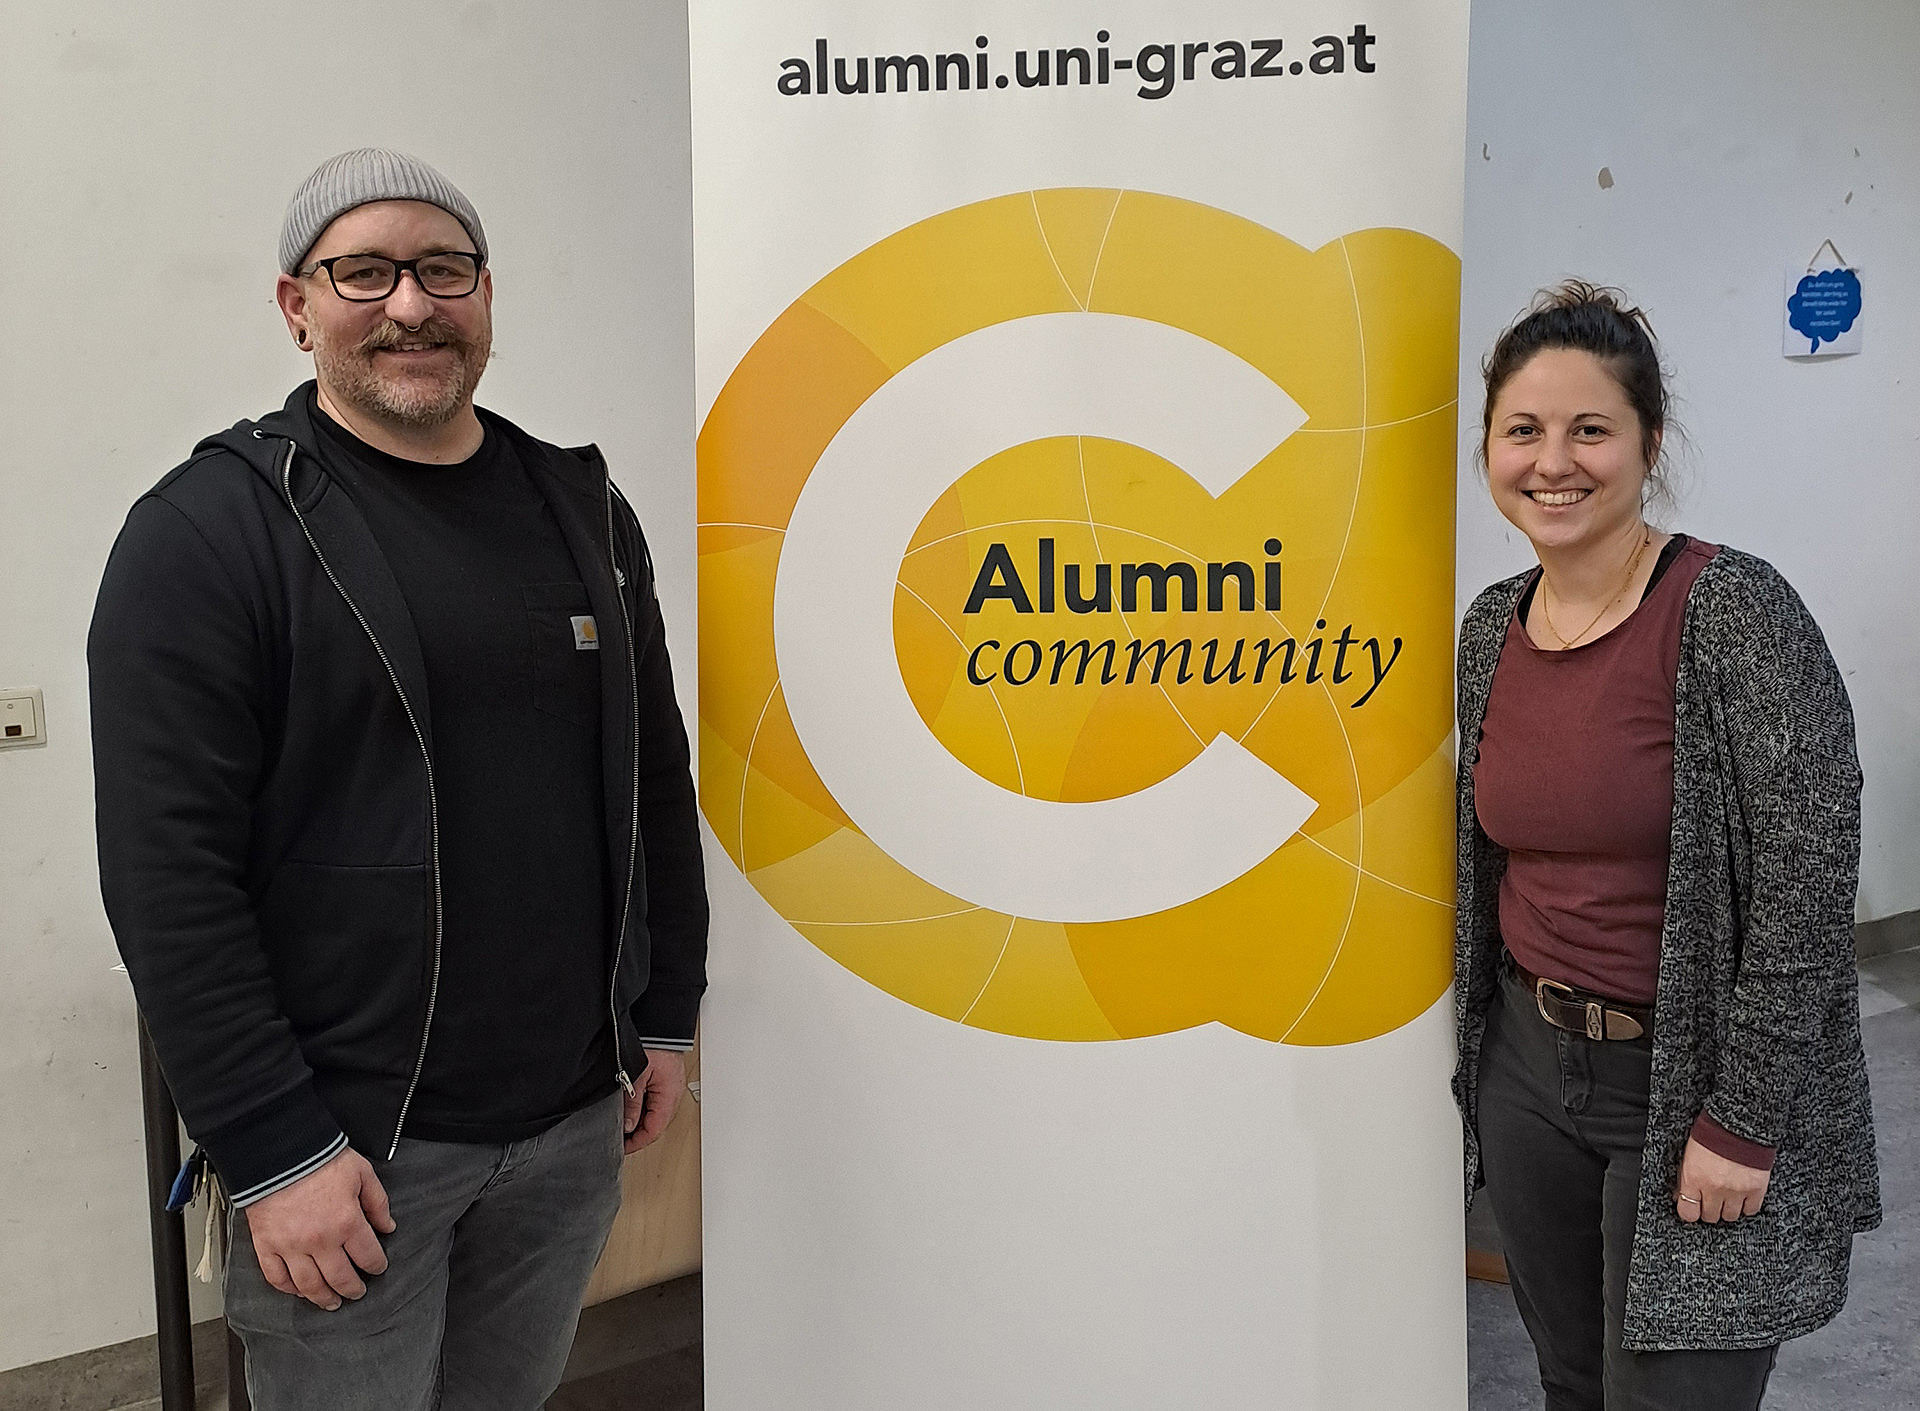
(657,1234)
(1483,1264)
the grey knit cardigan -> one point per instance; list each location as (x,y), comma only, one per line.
(1757,1016)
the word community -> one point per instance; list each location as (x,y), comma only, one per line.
(1157,68)
(1021,664)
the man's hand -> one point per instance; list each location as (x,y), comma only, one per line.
(311,1236)
(1712,1188)
(651,1106)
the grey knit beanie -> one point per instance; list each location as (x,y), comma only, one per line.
(358,177)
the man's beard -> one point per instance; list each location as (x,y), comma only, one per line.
(402,398)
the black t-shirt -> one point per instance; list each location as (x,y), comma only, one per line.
(522,1028)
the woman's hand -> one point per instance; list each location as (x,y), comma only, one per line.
(1712,1188)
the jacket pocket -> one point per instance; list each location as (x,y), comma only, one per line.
(564,640)
(350,950)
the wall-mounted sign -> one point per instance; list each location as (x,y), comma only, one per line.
(1823,308)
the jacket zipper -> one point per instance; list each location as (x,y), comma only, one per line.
(633,837)
(433,802)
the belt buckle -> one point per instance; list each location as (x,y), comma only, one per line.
(1540,988)
(1594,1011)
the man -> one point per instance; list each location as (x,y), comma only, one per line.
(397,834)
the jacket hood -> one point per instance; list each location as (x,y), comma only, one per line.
(262,444)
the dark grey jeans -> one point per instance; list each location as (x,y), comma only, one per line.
(490,1254)
(1563,1119)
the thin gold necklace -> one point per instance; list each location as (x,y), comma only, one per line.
(1568,643)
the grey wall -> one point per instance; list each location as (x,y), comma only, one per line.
(1734,134)
(146,155)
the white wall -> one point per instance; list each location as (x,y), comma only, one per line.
(1734,131)
(146,156)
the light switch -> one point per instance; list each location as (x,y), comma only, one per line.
(22,717)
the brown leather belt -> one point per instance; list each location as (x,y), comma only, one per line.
(1583,1012)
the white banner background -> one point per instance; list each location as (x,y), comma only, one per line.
(902,1212)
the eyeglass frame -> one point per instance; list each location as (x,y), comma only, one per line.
(400,267)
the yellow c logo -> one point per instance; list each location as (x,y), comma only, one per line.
(1076,593)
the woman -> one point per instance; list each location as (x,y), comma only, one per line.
(1660,1063)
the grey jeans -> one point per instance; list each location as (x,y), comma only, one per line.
(490,1254)
(1562,1122)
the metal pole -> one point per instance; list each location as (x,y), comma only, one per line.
(175,1323)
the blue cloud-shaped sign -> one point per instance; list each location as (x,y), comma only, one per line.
(1824,306)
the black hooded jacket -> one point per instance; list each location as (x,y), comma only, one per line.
(265,797)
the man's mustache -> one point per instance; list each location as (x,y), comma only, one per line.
(435,330)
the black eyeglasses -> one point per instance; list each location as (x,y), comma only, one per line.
(367,279)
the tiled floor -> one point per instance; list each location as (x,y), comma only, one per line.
(637,1353)
(669,1382)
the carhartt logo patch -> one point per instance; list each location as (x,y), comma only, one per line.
(586,636)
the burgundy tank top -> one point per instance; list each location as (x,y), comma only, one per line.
(1575,781)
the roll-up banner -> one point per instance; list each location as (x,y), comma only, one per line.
(1077,390)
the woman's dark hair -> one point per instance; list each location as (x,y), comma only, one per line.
(1596,319)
